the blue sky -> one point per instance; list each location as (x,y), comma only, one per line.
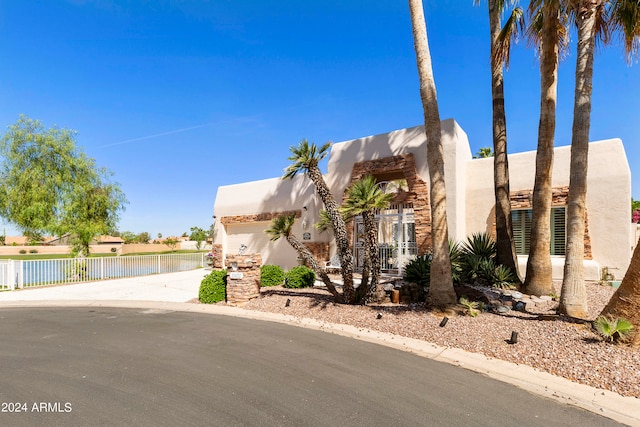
(180,97)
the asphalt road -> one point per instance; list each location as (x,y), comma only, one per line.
(108,366)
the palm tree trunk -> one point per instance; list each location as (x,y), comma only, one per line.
(625,302)
(505,245)
(441,290)
(573,298)
(376,291)
(339,232)
(539,280)
(311,260)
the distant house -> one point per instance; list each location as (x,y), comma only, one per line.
(243,211)
(108,240)
(16,240)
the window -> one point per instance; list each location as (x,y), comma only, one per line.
(522,230)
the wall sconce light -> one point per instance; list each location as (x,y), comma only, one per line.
(304,208)
(234,266)
(305,225)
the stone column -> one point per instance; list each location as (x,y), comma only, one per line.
(243,278)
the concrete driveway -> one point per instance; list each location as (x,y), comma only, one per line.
(169,287)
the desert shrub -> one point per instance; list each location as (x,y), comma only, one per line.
(299,277)
(33,251)
(23,251)
(480,244)
(473,307)
(503,277)
(418,270)
(271,275)
(613,329)
(213,287)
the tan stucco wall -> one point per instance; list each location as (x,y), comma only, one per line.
(58,249)
(608,199)
(268,195)
(470,194)
(412,140)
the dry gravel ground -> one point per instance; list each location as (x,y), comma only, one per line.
(551,343)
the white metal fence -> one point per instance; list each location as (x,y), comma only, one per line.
(44,272)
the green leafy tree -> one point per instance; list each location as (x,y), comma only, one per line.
(48,184)
(171,242)
(143,237)
(212,232)
(198,235)
(128,237)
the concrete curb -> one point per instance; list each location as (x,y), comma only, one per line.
(609,404)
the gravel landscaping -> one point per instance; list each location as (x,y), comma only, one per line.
(548,342)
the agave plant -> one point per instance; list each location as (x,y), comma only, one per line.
(480,244)
(473,307)
(456,255)
(418,270)
(503,277)
(613,329)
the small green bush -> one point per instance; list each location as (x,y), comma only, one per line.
(23,251)
(271,275)
(213,287)
(33,251)
(299,277)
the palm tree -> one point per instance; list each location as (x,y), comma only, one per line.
(500,49)
(625,302)
(441,290)
(305,158)
(547,28)
(281,227)
(573,298)
(363,198)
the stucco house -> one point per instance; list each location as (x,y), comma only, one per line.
(243,211)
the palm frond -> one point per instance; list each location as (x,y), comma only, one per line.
(324,222)
(303,157)
(510,33)
(625,19)
(365,195)
(281,226)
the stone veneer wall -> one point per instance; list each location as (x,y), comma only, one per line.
(320,250)
(242,290)
(417,194)
(216,249)
(264,216)
(524,200)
